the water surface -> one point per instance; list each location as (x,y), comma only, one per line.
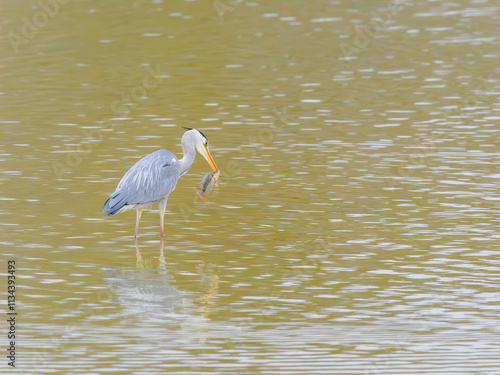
(355,226)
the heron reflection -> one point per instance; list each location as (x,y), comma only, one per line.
(150,288)
(162,263)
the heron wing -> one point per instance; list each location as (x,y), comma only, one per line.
(150,180)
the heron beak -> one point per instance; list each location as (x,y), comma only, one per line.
(210,160)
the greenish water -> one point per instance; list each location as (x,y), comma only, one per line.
(355,228)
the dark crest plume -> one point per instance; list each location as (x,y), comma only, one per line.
(196,130)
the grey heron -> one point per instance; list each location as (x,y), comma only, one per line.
(154,177)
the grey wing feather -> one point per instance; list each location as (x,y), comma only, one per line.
(150,180)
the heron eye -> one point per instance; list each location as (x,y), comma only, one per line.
(206,144)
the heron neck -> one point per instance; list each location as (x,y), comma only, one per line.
(188,159)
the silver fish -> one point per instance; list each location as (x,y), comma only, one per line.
(207,183)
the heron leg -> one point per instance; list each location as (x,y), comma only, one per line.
(162,205)
(139,213)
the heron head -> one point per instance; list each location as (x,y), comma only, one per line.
(201,144)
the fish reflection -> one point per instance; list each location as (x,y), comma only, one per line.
(211,280)
(149,288)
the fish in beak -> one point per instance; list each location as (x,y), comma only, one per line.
(207,183)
